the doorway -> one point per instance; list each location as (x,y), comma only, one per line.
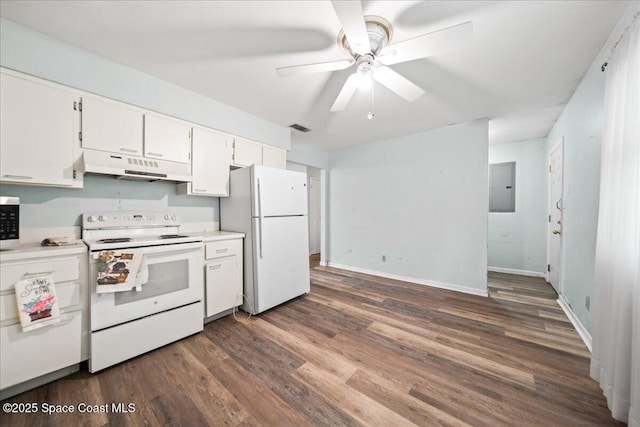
(315,179)
(555,206)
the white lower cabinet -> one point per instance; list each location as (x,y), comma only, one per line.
(28,355)
(223,276)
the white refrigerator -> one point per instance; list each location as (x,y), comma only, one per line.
(269,205)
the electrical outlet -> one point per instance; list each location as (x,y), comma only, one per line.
(587,302)
(384,258)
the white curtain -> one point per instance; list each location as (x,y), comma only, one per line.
(615,360)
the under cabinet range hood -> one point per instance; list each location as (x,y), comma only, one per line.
(134,168)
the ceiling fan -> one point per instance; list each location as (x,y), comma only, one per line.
(366,41)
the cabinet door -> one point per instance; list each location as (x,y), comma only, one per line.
(223,289)
(37,132)
(211,152)
(111,126)
(166,139)
(27,355)
(246,153)
(274,157)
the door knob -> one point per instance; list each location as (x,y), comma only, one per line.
(556,231)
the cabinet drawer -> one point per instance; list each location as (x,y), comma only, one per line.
(27,355)
(222,248)
(68,296)
(63,269)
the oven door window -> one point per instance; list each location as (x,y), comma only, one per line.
(164,278)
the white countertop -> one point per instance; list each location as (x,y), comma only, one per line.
(34,250)
(212,236)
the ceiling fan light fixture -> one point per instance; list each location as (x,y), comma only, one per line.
(379,31)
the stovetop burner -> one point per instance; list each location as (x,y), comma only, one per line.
(172,236)
(115,240)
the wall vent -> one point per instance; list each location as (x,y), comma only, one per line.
(299,127)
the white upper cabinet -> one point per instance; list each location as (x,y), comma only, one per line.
(274,157)
(38,136)
(246,152)
(111,126)
(166,138)
(211,158)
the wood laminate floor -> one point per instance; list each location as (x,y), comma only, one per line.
(358,350)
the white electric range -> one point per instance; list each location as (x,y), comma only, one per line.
(166,303)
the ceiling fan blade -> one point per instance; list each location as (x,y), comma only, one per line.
(430,44)
(346,92)
(352,19)
(400,85)
(319,67)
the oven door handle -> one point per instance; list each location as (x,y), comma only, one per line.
(260,217)
(153,250)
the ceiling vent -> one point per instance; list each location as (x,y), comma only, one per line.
(299,127)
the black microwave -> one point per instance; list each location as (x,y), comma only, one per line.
(9,219)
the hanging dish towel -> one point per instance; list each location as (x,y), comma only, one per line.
(37,301)
(143,274)
(118,270)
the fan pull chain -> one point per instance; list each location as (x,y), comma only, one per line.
(371,113)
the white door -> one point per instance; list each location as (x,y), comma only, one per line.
(37,132)
(111,126)
(246,153)
(279,192)
(314,215)
(274,157)
(210,164)
(281,260)
(554,253)
(166,138)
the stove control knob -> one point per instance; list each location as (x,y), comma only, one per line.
(91,218)
(102,218)
(173,217)
(166,217)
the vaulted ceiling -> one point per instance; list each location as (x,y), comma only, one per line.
(523,64)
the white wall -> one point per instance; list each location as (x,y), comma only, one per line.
(43,207)
(517,241)
(308,155)
(419,200)
(581,125)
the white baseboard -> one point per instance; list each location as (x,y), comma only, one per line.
(518,272)
(432,283)
(577,324)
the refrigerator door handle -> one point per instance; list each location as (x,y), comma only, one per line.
(260,217)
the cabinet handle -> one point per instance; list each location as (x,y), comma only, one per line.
(128,150)
(220,251)
(17,176)
(155,154)
(200,190)
(215,266)
(36,274)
